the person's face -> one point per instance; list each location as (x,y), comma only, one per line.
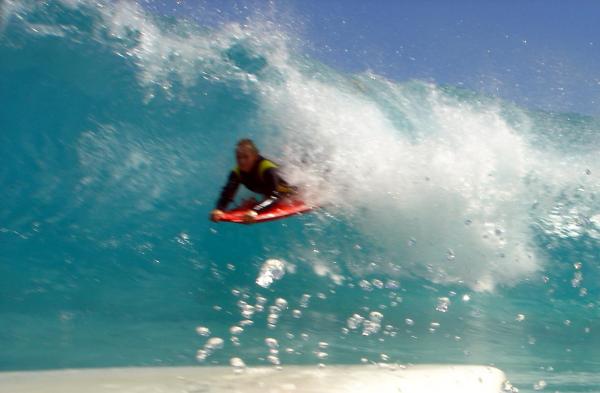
(246,158)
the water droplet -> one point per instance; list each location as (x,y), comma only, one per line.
(376,316)
(377,283)
(203,331)
(392,284)
(235,330)
(373,324)
(520,317)
(201,355)
(355,321)
(247,311)
(409,322)
(272,320)
(272,270)
(539,385)
(271,343)
(183,238)
(237,364)
(304,300)
(442,304)
(214,343)
(281,303)
(365,285)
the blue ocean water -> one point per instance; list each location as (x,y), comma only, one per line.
(454,228)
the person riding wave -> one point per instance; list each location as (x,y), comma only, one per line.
(259,175)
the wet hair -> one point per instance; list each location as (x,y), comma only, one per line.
(247,143)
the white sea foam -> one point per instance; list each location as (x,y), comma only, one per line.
(468,166)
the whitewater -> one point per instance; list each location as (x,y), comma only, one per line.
(454,227)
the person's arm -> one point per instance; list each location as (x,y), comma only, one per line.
(272,179)
(228,191)
(227,194)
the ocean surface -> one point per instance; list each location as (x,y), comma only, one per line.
(454,227)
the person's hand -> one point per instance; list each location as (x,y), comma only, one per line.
(250,216)
(216,215)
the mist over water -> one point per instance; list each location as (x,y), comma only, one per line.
(454,228)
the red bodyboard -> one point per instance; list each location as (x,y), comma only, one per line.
(284,208)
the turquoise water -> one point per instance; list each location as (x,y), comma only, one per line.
(458,227)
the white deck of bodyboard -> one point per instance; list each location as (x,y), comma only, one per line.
(306,379)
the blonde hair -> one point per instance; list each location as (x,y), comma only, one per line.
(247,143)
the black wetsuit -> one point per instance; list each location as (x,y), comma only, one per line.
(263,179)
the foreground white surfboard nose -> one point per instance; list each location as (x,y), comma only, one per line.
(305,379)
